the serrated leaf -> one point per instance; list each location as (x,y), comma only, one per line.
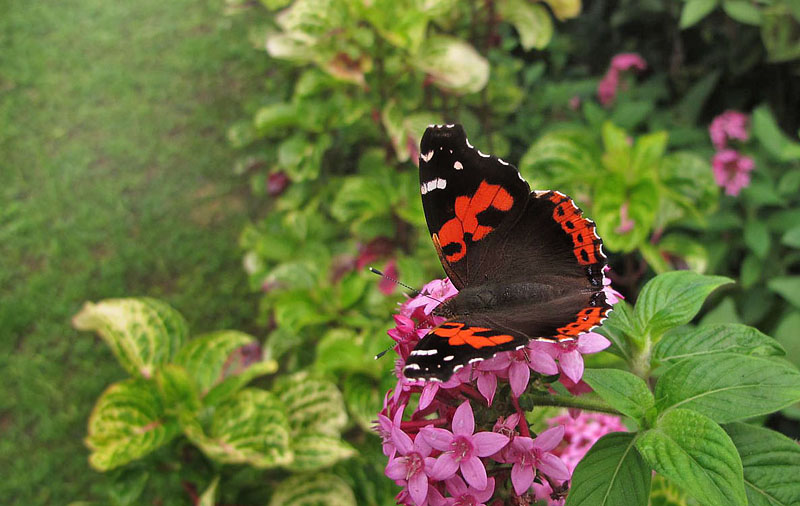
(695,10)
(787,287)
(611,473)
(694,452)
(728,387)
(314,406)
(673,299)
(142,333)
(771,465)
(249,428)
(625,392)
(213,358)
(683,343)
(128,422)
(453,64)
(532,22)
(313,489)
(316,451)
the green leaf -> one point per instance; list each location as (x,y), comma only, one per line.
(453,64)
(128,422)
(728,387)
(362,398)
(232,384)
(532,22)
(694,452)
(673,299)
(787,287)
(313,489)
(208,498)
(178,392)
(316,451)
(742,11)
(126,485)
(142,333)
(695,10)
(564,9)
(683,343)
(622,328)
(249,428)
(625,392)
(314,406)
(648,151)
(756,236)
(750,271)
(771,465)
(665,493)
(213,358)
(767,131)
(611,473)
(792,237)
(275,118)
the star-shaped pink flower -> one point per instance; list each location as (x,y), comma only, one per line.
(529,455)
(413,466)
(431,295)
(462,495)
(462,449)
(570,353)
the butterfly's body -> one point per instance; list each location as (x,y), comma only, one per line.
(527,265)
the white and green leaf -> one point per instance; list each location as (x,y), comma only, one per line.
(313,489)
(314,406)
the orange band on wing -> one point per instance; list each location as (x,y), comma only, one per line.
(458,335)
(586,244)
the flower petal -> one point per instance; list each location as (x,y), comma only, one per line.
(518,376)
(487,386)
(553,467)
(571,364)
(397,468)
(445,467)
(427,395)
(402,441)
(592,342)
(485,494)
(437,438)
(418,488)
(464,420)
(474,472)
(456,486)
(549,439)
(521,478)
(542,362)
(488,443)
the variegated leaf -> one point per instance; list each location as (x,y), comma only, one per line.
(142,333)
(313,490)
(249,428)
(128,422)
(316,451)
(314,406)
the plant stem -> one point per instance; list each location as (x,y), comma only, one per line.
(565,401)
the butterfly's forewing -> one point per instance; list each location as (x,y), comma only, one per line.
(471,201)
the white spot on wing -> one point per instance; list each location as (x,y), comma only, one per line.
(412,366)
(424,352)
(502,161)
(458,165)
(469,145)
(426,157)
(448,358)
(441,183)
(483,154)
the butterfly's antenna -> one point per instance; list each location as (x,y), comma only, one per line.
(414,291)
(384,352)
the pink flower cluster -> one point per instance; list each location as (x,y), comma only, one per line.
(607,87)
(464,465)
(731,169)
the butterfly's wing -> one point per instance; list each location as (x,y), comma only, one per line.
(478,336)
(471,201)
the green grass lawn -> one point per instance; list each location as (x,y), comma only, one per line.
(115,180)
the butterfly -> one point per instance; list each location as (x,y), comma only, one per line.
(528,265)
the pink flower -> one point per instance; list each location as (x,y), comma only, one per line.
(386,285)
(575,103)
(569,353)
(520,363)
(277,183)
(413,466)
(431,295)
(467,496)
(463,449)
(607,87)
(384,428)
(582,432)
(531,454)
(728,125)
(627,61)
(612,296)
(732,170)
